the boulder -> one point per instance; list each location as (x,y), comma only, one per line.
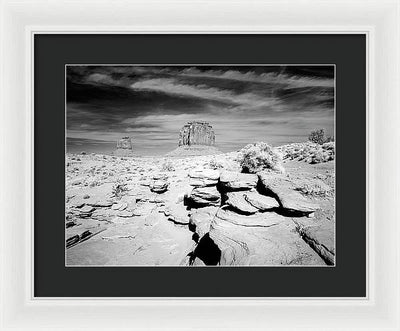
(238,201)
(284,189)
(231,180)
(177,214)
(159,186)
(260,201)
(203,177)
(266,239)
(205,196)
(201,219)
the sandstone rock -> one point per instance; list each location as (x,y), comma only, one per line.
(321,237)
(238,201)
(260,201)
(159,186)
(86,211)
(201,219)
(203,177)
(196,133)
(124,147)
(125,213)
(285,191)
(99,196)
(231,180)
(125,143)
(130,202)
(260,239)
(119,206)
(256,220)
(160,176)
(77,181)
(177,214)
(205,196)
(198,263)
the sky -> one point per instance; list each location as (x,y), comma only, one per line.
(244,104)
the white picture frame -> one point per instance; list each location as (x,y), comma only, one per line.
(378,20)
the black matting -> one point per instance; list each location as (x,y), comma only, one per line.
(347,279)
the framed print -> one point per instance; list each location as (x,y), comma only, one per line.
(236,171)
(200,170)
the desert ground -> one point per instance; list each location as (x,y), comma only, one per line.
(201,210)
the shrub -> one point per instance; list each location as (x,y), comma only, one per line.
(119,189)
(317,136)
(214,164)
(167,166)
(260,156)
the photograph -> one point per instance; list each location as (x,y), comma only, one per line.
(200,165)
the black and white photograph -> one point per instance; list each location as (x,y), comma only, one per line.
(200,165)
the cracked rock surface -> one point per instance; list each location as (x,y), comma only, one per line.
(197,211)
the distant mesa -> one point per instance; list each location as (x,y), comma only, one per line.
(196,133)
(124,147)
(196,138)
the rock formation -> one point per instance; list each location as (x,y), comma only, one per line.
(124,147)
(195,139)
(196,133)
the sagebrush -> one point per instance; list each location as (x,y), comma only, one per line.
(258,157)
(319,137)
(167,166)
(119,189)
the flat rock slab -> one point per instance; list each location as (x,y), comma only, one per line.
(285,191)
(267,239)
(257,220)
(98,196)
(203,177)
(125,213)
(261,202)
(237,200)
(177,213)
(231,180)
(119,206)
(201,219)
(159,186)
(321,237)
(134,244)
(205,196)
(87,209)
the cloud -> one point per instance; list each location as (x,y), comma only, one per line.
(270,77)
(104,79)
(172,86)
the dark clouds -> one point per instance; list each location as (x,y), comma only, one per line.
(244,104)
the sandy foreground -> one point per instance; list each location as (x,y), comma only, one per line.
(197,211)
